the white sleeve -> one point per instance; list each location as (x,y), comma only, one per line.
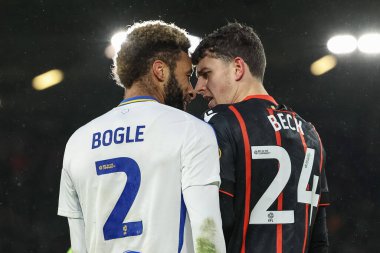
(68,204)
(200,156)
(202,204)
(77,235)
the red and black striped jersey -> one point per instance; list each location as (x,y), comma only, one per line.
(273,176)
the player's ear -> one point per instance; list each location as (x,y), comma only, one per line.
(160,70)
(239,68)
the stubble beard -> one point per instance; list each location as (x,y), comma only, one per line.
(173,94)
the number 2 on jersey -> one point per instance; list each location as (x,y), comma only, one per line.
(114,227)
(260,213)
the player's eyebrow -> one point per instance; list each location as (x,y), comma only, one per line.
(202,71)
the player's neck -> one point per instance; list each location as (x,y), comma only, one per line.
(140,89)
(251,88)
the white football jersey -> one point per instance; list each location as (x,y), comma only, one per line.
(124,173)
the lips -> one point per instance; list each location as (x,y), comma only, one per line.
(211,101)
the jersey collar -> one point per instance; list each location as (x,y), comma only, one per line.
(265,97)
(137,99)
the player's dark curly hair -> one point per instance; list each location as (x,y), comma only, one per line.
(234,40)
(146,42)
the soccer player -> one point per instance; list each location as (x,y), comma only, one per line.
(273,191)
(134,177)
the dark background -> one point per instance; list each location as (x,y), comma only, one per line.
(39,35)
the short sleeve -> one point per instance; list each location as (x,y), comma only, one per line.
(200,156)
(68,204)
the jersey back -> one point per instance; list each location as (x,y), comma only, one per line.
(272,165)
(124,174)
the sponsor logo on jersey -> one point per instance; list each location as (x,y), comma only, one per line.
(261,152)
(107,166)
(208,115)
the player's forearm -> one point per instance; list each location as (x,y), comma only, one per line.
(77,235)
(319,239)
(202,204)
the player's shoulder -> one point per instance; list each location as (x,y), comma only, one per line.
(78,135)
(182,121)
(307,125)
(179,115)
(221,119)
(216,114)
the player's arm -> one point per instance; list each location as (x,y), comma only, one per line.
(77,235)
(69,207)
(227,173)
(200,185)
(319,238)
(205,217)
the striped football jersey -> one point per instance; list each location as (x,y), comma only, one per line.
(273,169)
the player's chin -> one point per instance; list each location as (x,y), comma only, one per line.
(212,103)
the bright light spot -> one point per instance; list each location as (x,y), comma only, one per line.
(342,44)
(48,79)
(324,64)
(369,43)
(109,52)
(194,42)
(118,39)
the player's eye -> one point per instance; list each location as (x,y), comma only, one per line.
(205,74)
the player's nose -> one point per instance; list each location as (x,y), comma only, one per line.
(200,86)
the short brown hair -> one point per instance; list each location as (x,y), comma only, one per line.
(146,42)
(234,40)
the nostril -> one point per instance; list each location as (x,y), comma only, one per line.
(192,94)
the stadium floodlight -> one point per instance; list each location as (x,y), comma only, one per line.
(194,42)
(47,79)
(369,43)
(118,39)
(323,65)
(342,44)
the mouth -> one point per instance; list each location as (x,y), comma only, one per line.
(211,101)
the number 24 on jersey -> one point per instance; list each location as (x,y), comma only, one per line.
(260,213)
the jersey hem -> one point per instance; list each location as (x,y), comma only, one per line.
(69,214)
(209,182)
